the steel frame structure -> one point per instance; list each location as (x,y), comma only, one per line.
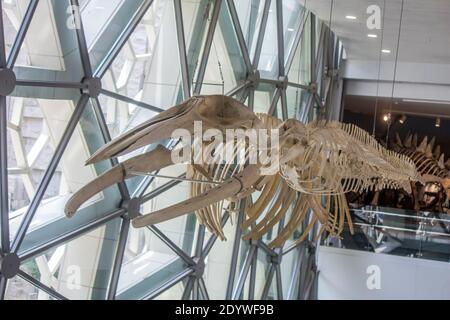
(325,61)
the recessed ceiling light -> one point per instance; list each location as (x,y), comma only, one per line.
(438,123)
(349,17)
(426,101)
(290,29)
(371,35)
(386,51)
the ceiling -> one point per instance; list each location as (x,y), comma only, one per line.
(366,105)
(424,33)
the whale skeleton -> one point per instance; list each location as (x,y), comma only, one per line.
(318,163)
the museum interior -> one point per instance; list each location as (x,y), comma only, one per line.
(93,206)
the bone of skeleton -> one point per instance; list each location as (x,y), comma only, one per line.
(215,111)
(229,188)
(154,160)
(427,163)
(430,164)
(317,160)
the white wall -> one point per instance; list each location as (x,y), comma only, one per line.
(413,80)
(343,275)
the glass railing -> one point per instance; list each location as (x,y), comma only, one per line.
(400,232)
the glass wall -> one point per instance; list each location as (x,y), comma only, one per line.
(148,56)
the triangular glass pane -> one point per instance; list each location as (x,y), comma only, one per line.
(290,262)
(50,49)
(104,22)
(300,71)
(182,229)
(20,289)
(250,14)
(272,292)
(296,101)
(148,262)
(268,62)
(49,221)
(95,16)
(293,13)
(173,293)
(35,127)
(80,268)
(13,12)
(219,262)
(195,29)
(147,69)
(225,68)
(263,98)
(260,277)
(279,110)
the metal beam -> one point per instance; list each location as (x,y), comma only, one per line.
(81,38)
(261,33)
(189,261)
(293,286)
(251,99)
(207,47)
(51,84)
(161,189)
(243,96)
(313,48)
(168,284)
(3,283)
(195,289)
(318,100)
(239,35)
(311,284)
(4,208)
(3,61)
(279,282)
(188,288)
(252,280)
(262,245)
(118,259)
(292,247)
(40,190)
(237,89)
(297,39)
(305,271)
(25,276)
(244,272)
(280,37)
(319,54)
(203,290)
(121,40)
(70,235)
(20,37)
(235,253)
(274,103)
(268,283)
(182,49)
(130,100)
(284,107)
(298,85)
(305,112)
(107,138)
